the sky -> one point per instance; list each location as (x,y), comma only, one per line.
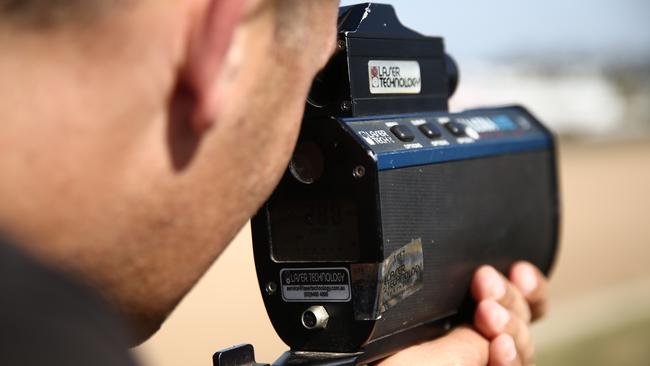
(606,30)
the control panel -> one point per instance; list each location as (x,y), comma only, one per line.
(436,137)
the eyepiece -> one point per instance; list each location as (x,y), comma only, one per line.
(453,75)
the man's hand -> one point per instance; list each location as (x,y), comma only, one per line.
(500,334)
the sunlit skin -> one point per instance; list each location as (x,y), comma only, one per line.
(135,144)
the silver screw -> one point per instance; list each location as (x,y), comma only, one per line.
(447,325)
(346,106)
(340,45)
(359,172)
(315,317)
(271,287)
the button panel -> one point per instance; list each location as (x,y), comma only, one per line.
(442,130)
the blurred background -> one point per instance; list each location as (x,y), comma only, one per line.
(583,67)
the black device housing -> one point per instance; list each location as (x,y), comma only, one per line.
(349,203)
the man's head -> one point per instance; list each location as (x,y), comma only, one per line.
(138,136)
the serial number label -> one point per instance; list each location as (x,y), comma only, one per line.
(315,284)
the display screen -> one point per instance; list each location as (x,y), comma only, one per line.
(314,231)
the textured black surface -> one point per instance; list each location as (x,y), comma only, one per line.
(494,210)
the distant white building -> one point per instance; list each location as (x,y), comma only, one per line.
(578,102)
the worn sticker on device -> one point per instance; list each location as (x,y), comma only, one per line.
(394,77)
(315,284)
(402,275)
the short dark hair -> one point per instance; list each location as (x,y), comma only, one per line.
(46,13)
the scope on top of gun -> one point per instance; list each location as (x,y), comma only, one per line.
(382,67)
(390,202)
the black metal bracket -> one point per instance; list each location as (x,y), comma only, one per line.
(242,355)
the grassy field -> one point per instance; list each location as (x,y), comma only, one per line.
(600,311)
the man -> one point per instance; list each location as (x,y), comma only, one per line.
(137,138)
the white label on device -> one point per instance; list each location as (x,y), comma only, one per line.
(315,284)
(394,77)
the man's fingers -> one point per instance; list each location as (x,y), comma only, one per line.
(503,352)
(462,346)
(505,309)
(533,286)
(493,321)
(491,318)
(520,332)
(488,283)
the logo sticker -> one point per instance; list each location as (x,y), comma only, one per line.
(394,77)
(376,137)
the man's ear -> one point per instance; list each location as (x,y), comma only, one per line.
(209,42)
